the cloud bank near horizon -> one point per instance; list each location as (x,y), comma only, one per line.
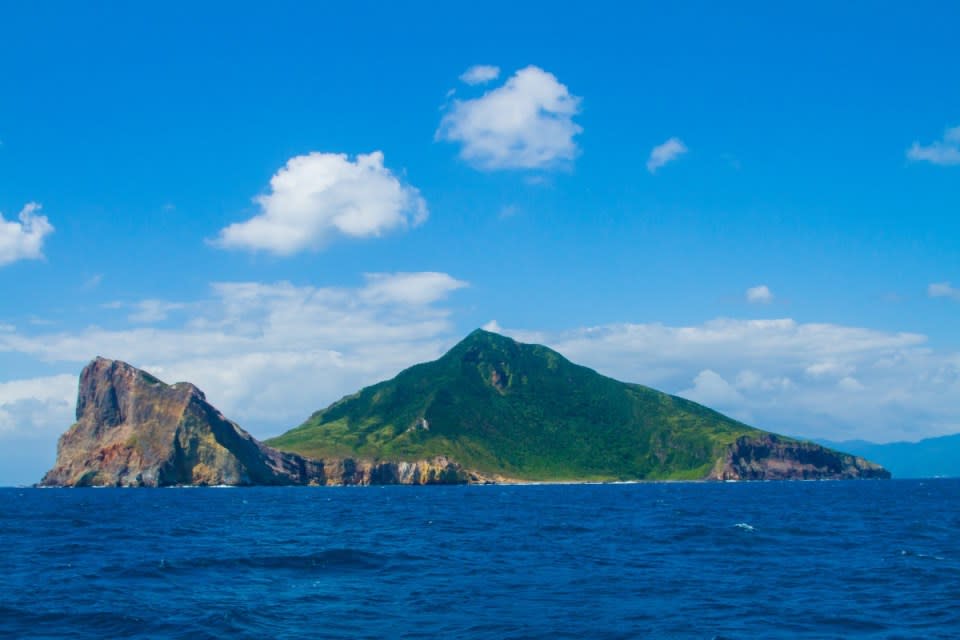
(268,354)
(814,380)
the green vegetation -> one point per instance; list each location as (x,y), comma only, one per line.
(523,411)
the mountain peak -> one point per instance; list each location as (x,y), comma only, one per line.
(133,429)
(510,409)
(482,337)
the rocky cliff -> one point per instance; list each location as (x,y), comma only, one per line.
(134,430)
(770,457)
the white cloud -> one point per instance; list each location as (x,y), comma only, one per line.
(150,311)
(849,383)
(710,388)
(37,406)
(270,354)
(493,326)
(942,152)
(807,379)
(480,74)
(527,123)
(665,153)
(943,290)
(409,288)
(829,368)
(508,211)
(23,240)
(318,196)
(760,294)
(92,282)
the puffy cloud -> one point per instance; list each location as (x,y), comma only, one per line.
(807,379)
(760,294)
(943,152)
(943,290)
(480,74)
(318,196)
(665,153)
(23,240)
(527,123)
(710,388)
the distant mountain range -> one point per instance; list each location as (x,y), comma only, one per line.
(930,458)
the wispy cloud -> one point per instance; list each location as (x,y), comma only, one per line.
(527,123)
(319,196)
(508,211)
(945,151)
(480,74)
(267,354)
(760,294)
(151,311)
(418,289)
(23,240)
(943,290)
(665,153)
(92,282)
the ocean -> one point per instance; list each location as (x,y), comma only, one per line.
(864,559)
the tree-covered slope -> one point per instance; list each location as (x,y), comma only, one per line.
(526,412)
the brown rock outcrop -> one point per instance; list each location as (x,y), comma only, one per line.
(134,430)
(770,457)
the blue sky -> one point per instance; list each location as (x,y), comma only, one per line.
(752,206)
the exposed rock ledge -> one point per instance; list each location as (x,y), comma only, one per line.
(133,430)
(769,457)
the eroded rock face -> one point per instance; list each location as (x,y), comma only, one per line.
(439,470)
(769,457)
(134,430)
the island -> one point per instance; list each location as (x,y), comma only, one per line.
(491,410)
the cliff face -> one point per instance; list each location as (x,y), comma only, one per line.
(769,457)
(134,430)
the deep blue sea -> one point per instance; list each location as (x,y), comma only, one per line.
(868,559)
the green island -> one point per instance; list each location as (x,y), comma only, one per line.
(523,411)
(491,410)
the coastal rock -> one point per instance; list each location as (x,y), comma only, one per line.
(134,430)
(771,457)
(439,470)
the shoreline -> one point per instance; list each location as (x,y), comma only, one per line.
(517,483)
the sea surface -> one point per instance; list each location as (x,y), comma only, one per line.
(867,559)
